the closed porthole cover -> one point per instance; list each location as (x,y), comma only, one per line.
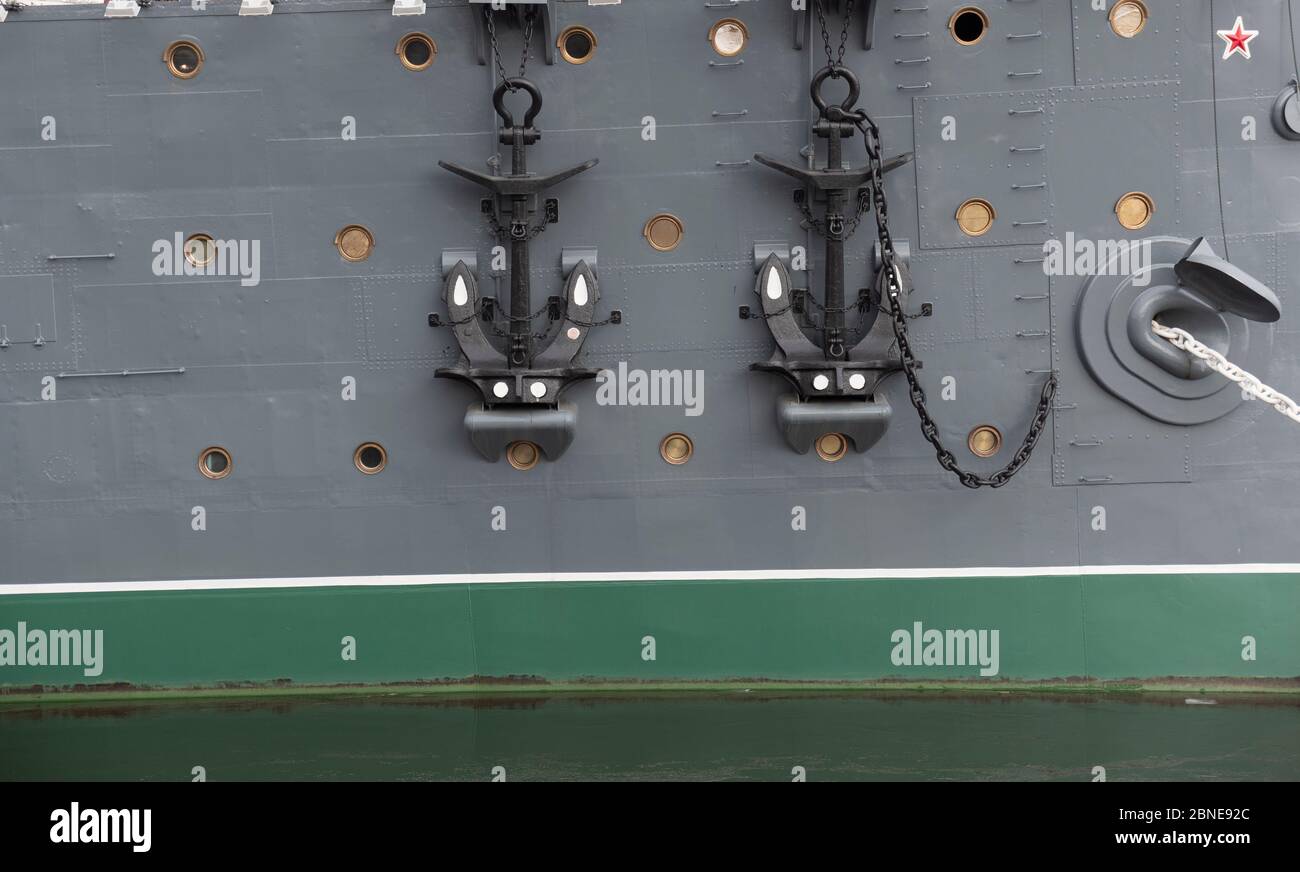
(200,249)
(664,231)
(984,441)
(354,242)
(1135,210)
(676,448)
(832,446)
(975,217)
(523,455)
(1128,18)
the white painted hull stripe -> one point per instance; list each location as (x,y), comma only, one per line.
(598,577)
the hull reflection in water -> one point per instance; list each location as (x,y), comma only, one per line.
(695,737)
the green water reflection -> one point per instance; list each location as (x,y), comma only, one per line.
(735,736)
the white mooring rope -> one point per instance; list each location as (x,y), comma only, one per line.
(1181,339)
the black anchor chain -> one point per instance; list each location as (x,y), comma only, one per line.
(890,282)
(529,18)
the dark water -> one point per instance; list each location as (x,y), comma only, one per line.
(736,736)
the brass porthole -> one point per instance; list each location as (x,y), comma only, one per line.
(577,44)
(832,446)
(183,58)
(975,217)
(664,232)
(984,441)
(416,51)
(523,454)
(729,37)
(968,25)
(200,249)
(676,448)
(215,462)
(370,458)
(354,242)
(1135,210)
(1128,18)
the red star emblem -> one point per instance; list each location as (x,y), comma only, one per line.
(1238,40)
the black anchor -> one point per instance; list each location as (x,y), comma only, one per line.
(836,123)
(515,195)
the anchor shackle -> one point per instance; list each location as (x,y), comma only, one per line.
(845,111)
(499,103)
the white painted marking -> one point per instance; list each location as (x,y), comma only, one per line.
(821,382)
(580,291)
(501,389)
(773,284)
(857,381)
(537,389)
(974,573)
(459,295)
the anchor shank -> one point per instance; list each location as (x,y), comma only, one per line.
(520,290)
(833,339)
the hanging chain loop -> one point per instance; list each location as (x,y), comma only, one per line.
(891,280)
(529,18)
(831,59)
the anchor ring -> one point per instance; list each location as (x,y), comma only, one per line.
(512,85)
(835,71)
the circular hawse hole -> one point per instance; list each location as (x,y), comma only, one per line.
(984,441)
(1128,18)
(664,232)
(416,51)
(729,37)
(975,217)
(577,44)
(1135,210)
(370,457)
(183,59)
(354,242)
(215,462)
(523,454)
(968,25)
(200,249)
(832,446)
(676,448)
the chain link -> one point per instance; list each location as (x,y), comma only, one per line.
(850,227)
(891,279)
(831,59)
(1251,385)
(529,18)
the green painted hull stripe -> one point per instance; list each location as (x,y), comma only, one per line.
(1079,629)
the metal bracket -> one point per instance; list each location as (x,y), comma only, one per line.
(453,256)
(764,250)
(835,7)
(571,257)
(481,44)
